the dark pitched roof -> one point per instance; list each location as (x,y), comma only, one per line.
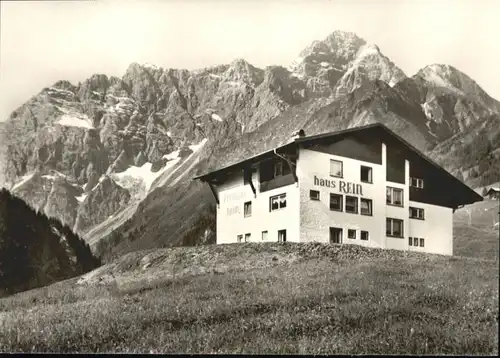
(297,140)
(309,139)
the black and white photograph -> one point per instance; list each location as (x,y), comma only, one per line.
(306,177)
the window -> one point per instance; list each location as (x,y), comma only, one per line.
(314,194)
(351,234)
(351,204)
(364,235)
(247,176)
(410,241)
(394,227)
(239,238)
(415,241)
(417,183)
(394,196)
(281,235)
(247,209)
(366,206)
(247,237)
(264,235)
(278,169)
(416,213)
(421,242)
(335,168)
(366,174)
(335,235)
(277,202)
(335,202)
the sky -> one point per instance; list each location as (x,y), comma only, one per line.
(42,42)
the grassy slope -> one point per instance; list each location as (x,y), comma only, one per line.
(480,239)
(264,298)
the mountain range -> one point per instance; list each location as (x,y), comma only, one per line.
(113,158)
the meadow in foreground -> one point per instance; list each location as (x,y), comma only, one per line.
(315,299)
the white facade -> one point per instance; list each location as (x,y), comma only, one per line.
(232,222)
(306,220)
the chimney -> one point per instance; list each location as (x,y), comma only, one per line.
(298,134)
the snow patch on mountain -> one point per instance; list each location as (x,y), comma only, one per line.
(143,173)
(54,174)
(173,155)
(75,120)
(23,180)
(52,90)
(216,117)
(81,198)
(196,147)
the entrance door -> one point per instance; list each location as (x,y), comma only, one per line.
(281,235)
(335,235)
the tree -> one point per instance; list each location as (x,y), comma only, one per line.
(36,250)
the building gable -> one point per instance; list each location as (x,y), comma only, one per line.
(351,146)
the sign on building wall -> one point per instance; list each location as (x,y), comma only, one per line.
(341,185)
(228,198)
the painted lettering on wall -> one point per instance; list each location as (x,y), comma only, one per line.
(233,210)
(233,196)
(343,186)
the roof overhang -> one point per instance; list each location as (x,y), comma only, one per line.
(247,163)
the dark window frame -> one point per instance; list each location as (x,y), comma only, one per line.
(422,242)
(392,189)
(279,232)
(417,180)
(349,231)
(248,235)
(262,234)
(417,211)
(410,241)
(314,198)
(244,209)
(370,180)
(279,205)
(357,204)
(278,164)
(391,234)
(341,168)
(367,235)
(341,202)
(370,201)
(415,241)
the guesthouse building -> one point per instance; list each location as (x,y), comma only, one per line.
(365,185)
(493,193)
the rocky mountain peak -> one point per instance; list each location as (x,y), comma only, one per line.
(64,85)
(368,65)
(241,71)
(446,79)
(368,50)
(446,76)
(342,62)
(339,45)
